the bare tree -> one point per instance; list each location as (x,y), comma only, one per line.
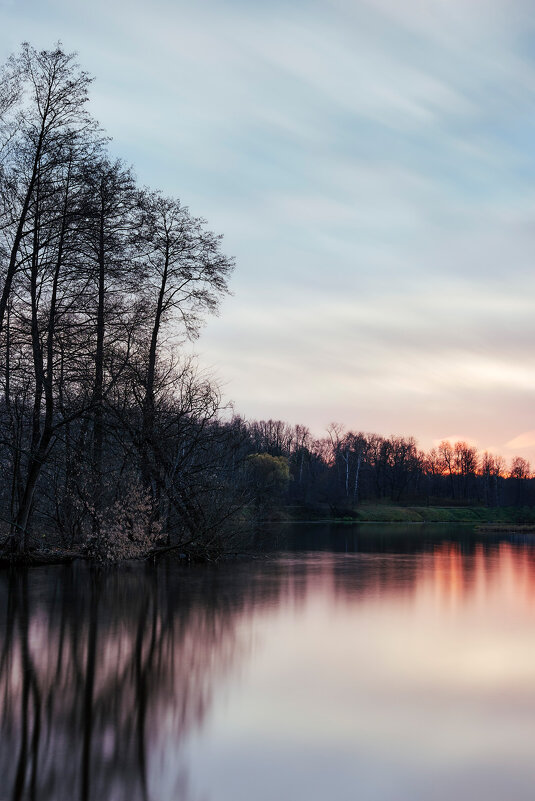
(49,117)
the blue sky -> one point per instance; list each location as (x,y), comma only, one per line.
(372,167)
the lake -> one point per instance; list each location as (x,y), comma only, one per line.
(377,662)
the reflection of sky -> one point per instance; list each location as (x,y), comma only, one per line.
(423,691)
(400,675)
(371,165)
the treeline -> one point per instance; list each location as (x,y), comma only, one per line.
(345,468)
(107,435)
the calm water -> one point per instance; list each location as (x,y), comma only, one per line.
(357,663)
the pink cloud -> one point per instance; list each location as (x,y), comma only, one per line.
(525,440)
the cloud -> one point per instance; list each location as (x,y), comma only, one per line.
(522,441)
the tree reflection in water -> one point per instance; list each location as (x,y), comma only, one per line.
(96,668)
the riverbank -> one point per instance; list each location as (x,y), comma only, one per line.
(507,520)
(379,513)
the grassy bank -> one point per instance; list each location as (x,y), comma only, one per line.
(379,513)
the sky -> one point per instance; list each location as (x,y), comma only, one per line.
(371,164)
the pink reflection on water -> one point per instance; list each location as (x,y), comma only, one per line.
(372,675)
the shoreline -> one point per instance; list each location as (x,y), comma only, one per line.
(505,520)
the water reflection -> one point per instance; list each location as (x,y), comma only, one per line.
(93,665)
(170,683)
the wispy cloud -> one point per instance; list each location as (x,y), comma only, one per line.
(522,442)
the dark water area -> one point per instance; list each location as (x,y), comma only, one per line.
(368,537)
(370,662)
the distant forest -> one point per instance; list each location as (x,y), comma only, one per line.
(343,469)
(111,440)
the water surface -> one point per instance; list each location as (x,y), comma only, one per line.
(375,663)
